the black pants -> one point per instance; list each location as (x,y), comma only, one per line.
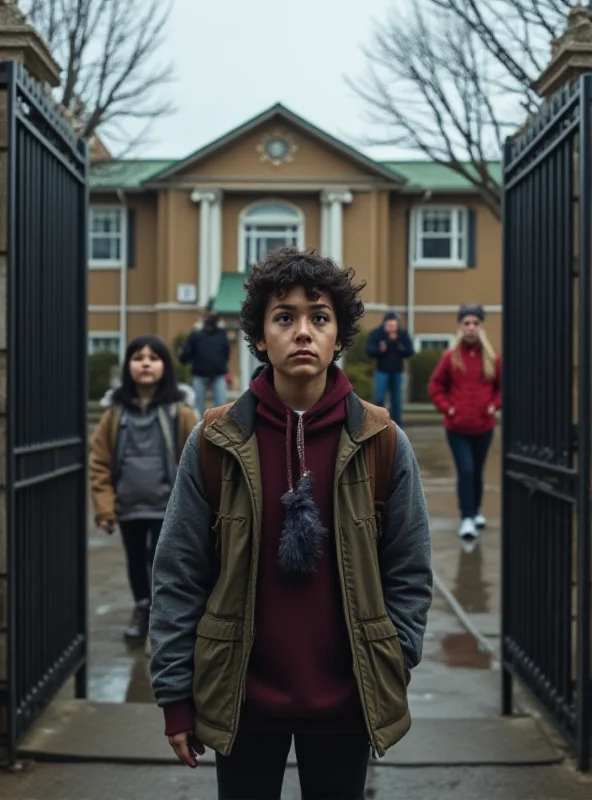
(469,453)
(139,539)
(329,767)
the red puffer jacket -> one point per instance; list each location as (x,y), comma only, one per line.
(466,391)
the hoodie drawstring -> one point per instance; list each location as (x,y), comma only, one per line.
(299,447)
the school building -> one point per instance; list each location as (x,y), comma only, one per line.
(168,237)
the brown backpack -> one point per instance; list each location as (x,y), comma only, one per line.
(379,452)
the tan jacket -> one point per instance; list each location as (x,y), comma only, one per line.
(102,457)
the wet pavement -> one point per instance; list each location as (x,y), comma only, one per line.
(456,679)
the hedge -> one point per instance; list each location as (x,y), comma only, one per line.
(100,366)
(182,371)
(421,367)
(359,368)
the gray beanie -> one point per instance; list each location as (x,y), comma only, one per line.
(471,309)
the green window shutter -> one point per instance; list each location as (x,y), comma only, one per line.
(472,238)
(131,238)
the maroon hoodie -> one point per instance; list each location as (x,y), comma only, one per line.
(300,676)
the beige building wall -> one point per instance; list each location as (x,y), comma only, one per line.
(142,277)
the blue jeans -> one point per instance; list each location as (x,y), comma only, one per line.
(469,453)
(219,389)
(391,382)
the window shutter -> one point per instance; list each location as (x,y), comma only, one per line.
(472,238)
(131,238)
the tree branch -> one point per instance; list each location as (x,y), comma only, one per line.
(108,51)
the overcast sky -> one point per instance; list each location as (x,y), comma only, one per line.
(235,58)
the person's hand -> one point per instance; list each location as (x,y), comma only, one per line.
(382,345)
(187,748)
(491,410)
(107,526)
(451,412)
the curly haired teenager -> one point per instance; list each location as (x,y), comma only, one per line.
(287,608)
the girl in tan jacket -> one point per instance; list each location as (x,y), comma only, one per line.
(133,461)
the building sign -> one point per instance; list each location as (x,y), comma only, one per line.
(186,293)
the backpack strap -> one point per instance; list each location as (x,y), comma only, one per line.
(379,453)
(380,458)
(210,457)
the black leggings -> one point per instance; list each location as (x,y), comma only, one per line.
(139,539)
(330,767)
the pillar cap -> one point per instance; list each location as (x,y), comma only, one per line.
(19,41)
(571,54)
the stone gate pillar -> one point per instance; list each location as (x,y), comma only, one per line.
(18,42)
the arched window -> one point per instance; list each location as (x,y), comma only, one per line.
(268,226)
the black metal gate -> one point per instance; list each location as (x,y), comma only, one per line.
(546,463)
(46,403)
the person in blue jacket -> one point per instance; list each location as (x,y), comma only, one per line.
(390,345)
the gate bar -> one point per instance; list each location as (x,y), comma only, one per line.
(584,427)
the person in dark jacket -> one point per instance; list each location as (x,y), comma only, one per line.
(390,345)
(208,351)
(466,389)
(300,614)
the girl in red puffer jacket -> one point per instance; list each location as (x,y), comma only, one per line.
(466,388)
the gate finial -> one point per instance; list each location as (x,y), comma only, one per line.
(571,53)
(19,41)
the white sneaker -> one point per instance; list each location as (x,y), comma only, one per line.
(480,521)
(467,529)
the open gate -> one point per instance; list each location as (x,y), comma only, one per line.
(46,404)
(546,427)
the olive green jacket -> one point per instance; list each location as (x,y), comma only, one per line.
(385,578)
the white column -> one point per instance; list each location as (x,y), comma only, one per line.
(333,238)
(325,225)
(215,244)
(210,244)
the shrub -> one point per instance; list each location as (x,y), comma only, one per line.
(421,367)
(360,377)
(357,352)
(100,366)
(182,371)
(359,368)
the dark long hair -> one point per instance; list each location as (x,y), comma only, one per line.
(167,390)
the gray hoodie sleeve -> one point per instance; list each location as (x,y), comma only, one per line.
(184,573)
(405,553)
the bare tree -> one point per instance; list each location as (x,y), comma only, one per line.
(452,78)
(108,51)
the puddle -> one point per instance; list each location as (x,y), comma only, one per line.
(462,650)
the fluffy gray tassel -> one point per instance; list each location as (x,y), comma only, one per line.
(301,540)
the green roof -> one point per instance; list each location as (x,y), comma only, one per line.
(429,175)
(125,174)
(131,174)
(231,293)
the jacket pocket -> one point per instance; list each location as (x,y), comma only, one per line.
(387,667)
(217,671)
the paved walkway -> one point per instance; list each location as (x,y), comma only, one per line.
(458,747)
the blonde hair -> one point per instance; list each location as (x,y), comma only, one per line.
(488,355)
